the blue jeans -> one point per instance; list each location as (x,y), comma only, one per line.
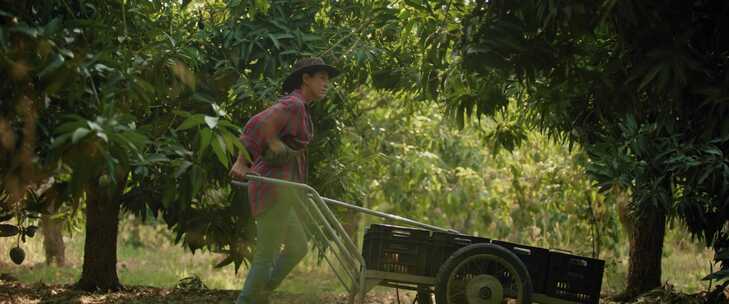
(276,226)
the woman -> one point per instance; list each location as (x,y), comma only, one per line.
(276,140)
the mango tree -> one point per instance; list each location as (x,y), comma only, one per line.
(104,95)
(139,105)
(640,84)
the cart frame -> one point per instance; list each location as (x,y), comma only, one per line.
(346,261)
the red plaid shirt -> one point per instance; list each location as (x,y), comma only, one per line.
(290,121)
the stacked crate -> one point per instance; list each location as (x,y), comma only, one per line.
(421,252)
(396,249)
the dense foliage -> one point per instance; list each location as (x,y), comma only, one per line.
(415,162)
(138,104)
(641,84)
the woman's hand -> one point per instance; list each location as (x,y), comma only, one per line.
(276,146)
(239,170)
(279,153)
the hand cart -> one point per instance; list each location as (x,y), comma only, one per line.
(456,268)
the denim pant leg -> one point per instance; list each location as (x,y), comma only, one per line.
(295,248)
(269,237)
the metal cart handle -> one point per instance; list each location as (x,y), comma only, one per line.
(346,205)
(345,252)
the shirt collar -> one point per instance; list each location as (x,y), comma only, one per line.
(300,95)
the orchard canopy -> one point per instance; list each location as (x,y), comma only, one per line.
(136,107)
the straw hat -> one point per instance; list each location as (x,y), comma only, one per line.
(310,65)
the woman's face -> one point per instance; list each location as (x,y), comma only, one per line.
(317,84)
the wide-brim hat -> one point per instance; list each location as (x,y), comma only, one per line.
(310,65)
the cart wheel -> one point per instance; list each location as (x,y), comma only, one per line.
(483,274)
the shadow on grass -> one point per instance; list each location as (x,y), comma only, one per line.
(12,292)
(18,293)
(41,293)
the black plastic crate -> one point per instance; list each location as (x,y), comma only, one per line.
(574,278)
(534,258)
(396,249)
(444,245)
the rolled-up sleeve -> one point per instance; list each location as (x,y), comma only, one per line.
(286,119)
(289,121)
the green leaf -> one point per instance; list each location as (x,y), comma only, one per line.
(74,117)
(157,158)
(233,145)
(60,140)
(102,68)
(232,141)
(275,41)
(7,230)
(416,5)
(705,175)
(229,259)
(713,150)
(129,143)
(289,52)
(182,168)
(237,264)
(192,121)
(57,62)
(283,36)
(168,193)
(94,126)
(144,85)
(78,134)
(719,275)
(197,176)
(182,113)
(647,78)
(135,138)
(219,148)
(211,121)
(262,5)
(202,98)
(6,216)
(229,125)
(68,127)
(52,27)
(218,110)
(66,52)
(205,136)
(722,255)
(310,37)
(30,31)
(103,136)
(280,25)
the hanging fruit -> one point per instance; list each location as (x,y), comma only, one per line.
(17,255)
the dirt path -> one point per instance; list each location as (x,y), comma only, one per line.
(17,293)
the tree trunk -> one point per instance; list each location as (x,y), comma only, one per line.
(646,249)
(102,226)
(351,224)
(51,228)
(53,239)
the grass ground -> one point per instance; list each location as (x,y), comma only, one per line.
(684,264)
(149,261)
